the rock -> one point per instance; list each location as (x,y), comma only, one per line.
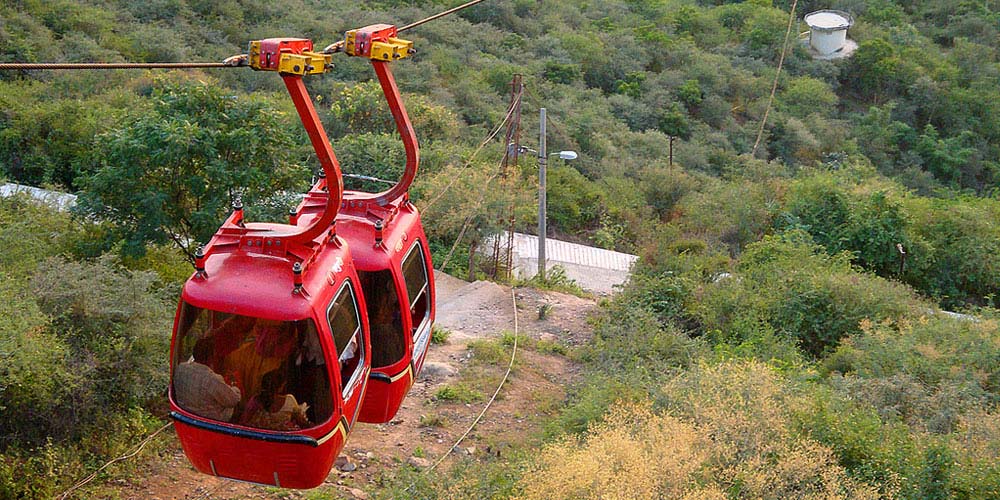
(345,464)
(370,456)
(470,450)
(420,463)
(356,493)
(547,337)
(434,370)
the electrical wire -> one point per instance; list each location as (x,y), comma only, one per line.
(131,453)
(510,366)
(490,137)
(468,220)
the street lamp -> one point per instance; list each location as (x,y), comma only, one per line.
(542,160)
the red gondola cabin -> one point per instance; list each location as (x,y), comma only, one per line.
(271,354)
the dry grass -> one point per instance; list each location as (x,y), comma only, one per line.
(725,434)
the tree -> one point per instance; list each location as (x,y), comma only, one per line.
(945,158)
(690,93)
(674,123)
(174,172)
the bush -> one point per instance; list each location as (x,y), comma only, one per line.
(362,109)
(630,338)
(927,373)
(458,392)
(85,341)
(32,232)
(727,428)
(789,283)
(963,244)
(734,214)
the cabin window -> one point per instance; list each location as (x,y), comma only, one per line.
(345,325)
(417,286)
(384,318)
(255,372)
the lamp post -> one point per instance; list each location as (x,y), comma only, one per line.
(542,208)
(542,159)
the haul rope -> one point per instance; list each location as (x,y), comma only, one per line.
(179,65)
(230,62)
(339,45)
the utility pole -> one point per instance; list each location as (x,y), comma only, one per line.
(510,160)
(541,194)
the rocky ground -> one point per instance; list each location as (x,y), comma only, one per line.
(426,426)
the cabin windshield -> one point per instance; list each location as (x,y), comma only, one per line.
(254,372)
(384,318)
(345,324)
(415,275)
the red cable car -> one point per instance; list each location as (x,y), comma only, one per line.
(271,355)
(390,249)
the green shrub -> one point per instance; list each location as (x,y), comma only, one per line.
(733,214)
(458,392)
(439,336)
(789,283)
(882,453)
(83,341)
(963,243)
(928,372)
(556,280)
(628,337)
(489,352)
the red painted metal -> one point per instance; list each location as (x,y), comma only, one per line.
(286,272)
(363,37)
(292,273)
(271,48)
(383,250)
(401,230)
(260,286)
(402,233)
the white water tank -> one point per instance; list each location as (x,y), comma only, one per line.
(828,30)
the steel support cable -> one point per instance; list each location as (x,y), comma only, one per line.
(774,86)
(131,453)
(231,62)
(490,137)
(510,366)
(339,45)
(179,65)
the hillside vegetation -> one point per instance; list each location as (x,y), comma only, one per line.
(774,341)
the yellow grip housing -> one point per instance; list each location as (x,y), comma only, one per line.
(377,42)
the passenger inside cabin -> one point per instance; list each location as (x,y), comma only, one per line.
(265,349)
(200,390)
(222,359)
(308,376)
(384,318)
(273,409)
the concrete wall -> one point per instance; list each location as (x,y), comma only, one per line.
(596,270)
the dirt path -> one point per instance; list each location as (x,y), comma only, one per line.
(426,426)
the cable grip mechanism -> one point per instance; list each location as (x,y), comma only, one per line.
(377,42)
(290,56)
